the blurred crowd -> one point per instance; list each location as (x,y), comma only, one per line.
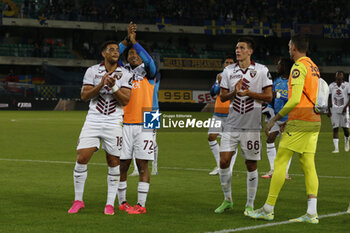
(184,12)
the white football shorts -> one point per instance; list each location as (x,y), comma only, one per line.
(340,120)
(217,130)
(111,136)
(249,140)
(139,142)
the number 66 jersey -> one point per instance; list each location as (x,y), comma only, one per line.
(245,112)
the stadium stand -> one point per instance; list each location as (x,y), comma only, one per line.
(193,12)
(62,38)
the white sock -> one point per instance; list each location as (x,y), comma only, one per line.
(290,161)
(268,208)
(225,179)
(312,206)
(215,149)
(335,142)
(252,186)
(271,154)
(135,165)
(155,161)
(142,191)
(113,178)
(79,177)
(346,139)
(233,160)
(122,192)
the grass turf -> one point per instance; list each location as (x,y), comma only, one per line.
(35,196)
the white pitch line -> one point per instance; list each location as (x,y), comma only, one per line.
(235,171)
(167,168)
(272,224)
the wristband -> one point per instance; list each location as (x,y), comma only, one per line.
(115,88)
(278,95)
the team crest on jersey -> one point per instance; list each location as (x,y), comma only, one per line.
(118,76)
(295,73)
(252,73)
(119,73)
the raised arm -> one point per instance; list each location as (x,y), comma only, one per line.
(146,58)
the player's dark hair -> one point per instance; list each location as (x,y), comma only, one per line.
(340,71)
(301,42)
(230,56)
(250,42)
(286,65)
(106,43)
(144,45)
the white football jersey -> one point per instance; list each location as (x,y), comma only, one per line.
(105,108)
(245,112)
(339,96)
(139,72)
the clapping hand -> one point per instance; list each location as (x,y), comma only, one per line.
(132,32)
(107,79)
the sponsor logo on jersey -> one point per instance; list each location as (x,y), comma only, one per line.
(236,76)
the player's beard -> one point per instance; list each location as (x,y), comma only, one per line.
(112,61)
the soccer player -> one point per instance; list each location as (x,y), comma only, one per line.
(300,134)
(108,87)
(136,140)
(246,84)
(220,114)
(280,95)
(338,103)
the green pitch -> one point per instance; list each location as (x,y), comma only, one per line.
(36,185)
